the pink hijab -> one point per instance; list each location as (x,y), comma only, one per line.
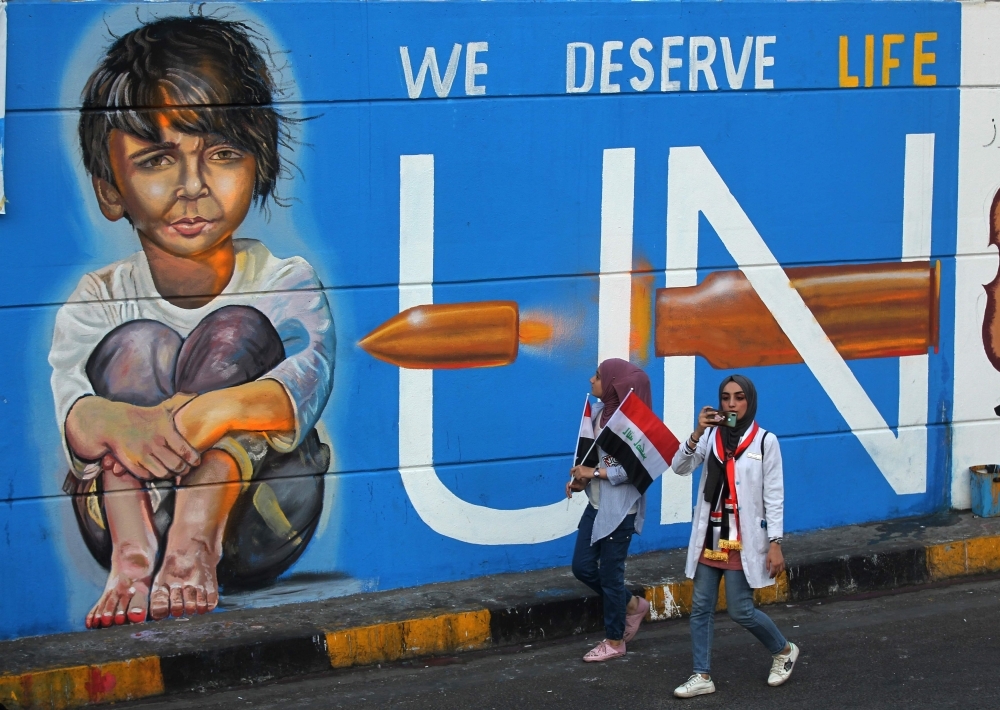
(617,378)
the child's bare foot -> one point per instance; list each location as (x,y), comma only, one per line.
(126,595)
(186,583)
(133,553)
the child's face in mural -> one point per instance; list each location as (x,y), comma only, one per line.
(734,400)
(186,194)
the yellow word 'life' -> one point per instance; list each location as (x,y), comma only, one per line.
(921,59)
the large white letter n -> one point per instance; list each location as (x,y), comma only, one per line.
(693,186)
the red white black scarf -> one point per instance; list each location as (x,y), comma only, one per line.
(723,533)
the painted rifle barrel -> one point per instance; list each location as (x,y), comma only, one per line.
(448,336)
(866,310)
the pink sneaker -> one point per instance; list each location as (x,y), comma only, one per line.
(604,651)
(632,621)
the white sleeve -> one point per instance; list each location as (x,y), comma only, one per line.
(685,460)
(774,487)
(616,475)
(296,305)
(81,323)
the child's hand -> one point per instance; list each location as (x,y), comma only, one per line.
(143,440)
(149,445)
(109,464)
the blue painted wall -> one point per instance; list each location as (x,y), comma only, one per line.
(818,170)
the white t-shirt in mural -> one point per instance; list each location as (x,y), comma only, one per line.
(287,291)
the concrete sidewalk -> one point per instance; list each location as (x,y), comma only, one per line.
(255,645)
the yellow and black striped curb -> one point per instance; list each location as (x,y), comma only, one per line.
(455,632)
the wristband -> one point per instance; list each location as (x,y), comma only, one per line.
(776,540)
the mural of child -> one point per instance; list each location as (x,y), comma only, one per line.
(189,377)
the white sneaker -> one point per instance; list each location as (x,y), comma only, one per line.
(695,685)
(783,665)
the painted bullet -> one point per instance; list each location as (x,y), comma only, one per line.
(448,336)
(867,311)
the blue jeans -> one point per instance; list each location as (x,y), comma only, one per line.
(739,604)
(601,567)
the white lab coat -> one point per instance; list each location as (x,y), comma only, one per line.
(761,495)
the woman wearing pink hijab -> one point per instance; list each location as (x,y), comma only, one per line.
(616,512)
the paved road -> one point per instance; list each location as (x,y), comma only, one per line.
(933,648)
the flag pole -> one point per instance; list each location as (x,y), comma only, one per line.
(586,401)
(595,436)
(630,391)
(589,450)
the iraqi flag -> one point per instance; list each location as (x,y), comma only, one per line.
(586,453)
(640,441)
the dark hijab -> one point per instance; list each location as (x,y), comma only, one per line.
(730,437)
(617,378)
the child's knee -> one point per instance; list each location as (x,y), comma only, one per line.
(134,363)
(241,337)
(236,323)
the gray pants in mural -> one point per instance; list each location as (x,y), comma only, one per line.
(144,362)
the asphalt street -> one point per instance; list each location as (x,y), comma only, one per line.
(932,648)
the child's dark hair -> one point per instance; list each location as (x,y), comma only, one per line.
(197,74)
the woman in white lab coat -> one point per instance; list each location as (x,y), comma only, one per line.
(736,528)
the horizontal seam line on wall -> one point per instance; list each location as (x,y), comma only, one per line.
(444,467)
(499,280)
(631,95)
